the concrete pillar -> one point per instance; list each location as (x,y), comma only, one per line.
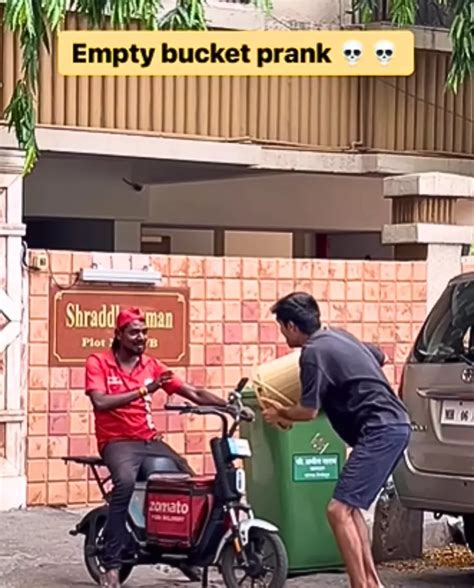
(127,236)
(423,223)
(13,335)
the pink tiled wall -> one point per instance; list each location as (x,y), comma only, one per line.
(231,330)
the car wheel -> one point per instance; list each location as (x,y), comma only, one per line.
(469,530)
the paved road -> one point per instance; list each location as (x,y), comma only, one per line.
(36,550)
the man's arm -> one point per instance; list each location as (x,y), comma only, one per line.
(313,383)
(199,396)
(103,402)
(175,385)
(297,413)
(96,388)
(377,353)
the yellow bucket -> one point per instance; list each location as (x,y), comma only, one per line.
(277,382)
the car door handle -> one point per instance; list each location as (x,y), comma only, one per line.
(447,393)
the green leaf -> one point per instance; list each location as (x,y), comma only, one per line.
(187,15)
(20,115)
(367,9)
(54,11)
(462,39)
(403,12)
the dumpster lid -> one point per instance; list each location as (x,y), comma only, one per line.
(248,393)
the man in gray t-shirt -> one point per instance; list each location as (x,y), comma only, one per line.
(344,378)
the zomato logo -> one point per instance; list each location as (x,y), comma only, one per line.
(176,507)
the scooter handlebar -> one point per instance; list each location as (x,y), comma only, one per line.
(244,413)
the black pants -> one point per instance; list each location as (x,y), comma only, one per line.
(124,459)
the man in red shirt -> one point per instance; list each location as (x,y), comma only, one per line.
(120,383)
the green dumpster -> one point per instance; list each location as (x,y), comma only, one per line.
(290,480)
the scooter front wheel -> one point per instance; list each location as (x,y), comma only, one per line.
(92,545)
(267,562)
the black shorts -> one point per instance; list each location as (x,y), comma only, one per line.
(370,464)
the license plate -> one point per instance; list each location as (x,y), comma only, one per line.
(458,412)
(239,447)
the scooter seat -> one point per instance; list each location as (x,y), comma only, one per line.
(159,465)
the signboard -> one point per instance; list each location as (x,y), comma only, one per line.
(82,321)
(315,468)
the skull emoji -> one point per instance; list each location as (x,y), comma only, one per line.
(352,51)
(384,51)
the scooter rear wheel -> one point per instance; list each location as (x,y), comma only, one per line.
(268,562)
(92,561)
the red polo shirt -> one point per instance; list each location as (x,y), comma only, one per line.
(135,420)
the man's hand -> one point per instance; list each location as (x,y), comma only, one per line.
(158,383)
(272,417)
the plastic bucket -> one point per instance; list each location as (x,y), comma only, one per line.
(277,382)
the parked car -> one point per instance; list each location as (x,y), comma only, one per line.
(437,472)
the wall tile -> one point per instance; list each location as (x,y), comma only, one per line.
(38,401)
(214,267)
(39,331)
(195,266)
(371,271)
(268,332)
(320,269)
(285,268)
(337,270)
(38,354)
(250,289)
(39,307)
(250,332)
(268,268)
(233,333)
(214,289)
(250,268)
(233,267)
(250,310)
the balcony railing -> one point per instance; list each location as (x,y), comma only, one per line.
(429,13)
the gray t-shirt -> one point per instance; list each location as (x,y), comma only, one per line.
(344,378)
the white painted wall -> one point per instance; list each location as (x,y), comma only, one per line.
(321,12)
(185,240)
(83,188)
(258,244)
(93,188)
(296,201)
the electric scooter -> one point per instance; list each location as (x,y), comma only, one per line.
(193,522)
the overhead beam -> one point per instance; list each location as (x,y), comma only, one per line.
(259,157)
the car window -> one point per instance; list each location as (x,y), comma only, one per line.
(448,333)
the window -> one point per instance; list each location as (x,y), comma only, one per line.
(71,234)
(448,333)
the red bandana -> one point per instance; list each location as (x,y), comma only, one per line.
(129,315)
